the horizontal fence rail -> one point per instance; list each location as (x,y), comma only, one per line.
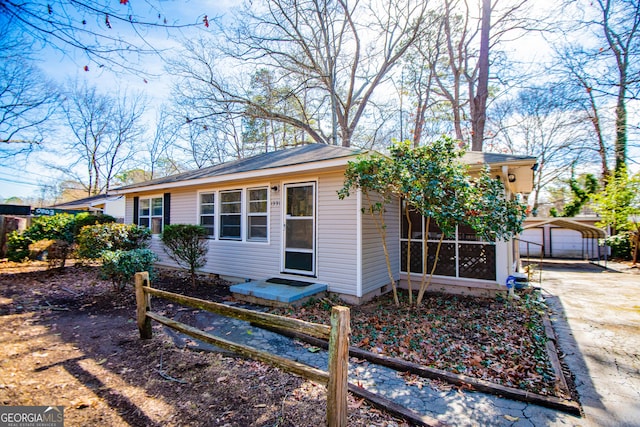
(338,335)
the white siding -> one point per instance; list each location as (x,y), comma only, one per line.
(184,207)
(336,240)
(128,210)
(566,243)
(374,267)
(337,236)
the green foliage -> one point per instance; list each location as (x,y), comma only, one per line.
(434,181)
(582,192)
(120,266)
(94,239)
(56,227)
(618,206)
(60,227)
(620,245)
(17,247)
(186,245)
(491,213)
(618,202)
(83,219)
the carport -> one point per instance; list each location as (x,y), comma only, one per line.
(590,246)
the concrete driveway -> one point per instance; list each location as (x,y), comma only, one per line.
(596,314)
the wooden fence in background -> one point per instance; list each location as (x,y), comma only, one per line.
(337,334)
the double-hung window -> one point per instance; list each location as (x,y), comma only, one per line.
(208,213)
(257,214)
(231,214)
(151,214)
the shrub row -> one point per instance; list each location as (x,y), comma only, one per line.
(122,248)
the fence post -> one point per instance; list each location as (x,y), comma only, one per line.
(338,367)
(143,304)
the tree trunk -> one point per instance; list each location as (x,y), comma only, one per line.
(621,129)
(479,113)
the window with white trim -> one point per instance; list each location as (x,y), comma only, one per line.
(231,215)
(257,219)
(208,213)
(150,214)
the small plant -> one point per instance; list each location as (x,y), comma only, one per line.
(185,244)
(120,266)
(620,245)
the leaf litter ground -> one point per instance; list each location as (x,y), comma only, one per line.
(68,333)
(66,338)
(502,341)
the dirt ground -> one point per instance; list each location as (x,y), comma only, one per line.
(67,338)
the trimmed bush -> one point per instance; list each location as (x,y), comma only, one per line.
(95,239)
(60,228)
(84,219)
(185,244)
(18,247)
(120,266)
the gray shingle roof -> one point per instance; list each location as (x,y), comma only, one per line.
(299,155)
(275,159)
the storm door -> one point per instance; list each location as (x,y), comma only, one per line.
(300,228)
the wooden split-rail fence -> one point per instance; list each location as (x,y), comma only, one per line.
(337,334)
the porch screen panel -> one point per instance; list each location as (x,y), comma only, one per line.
(477,261)
(463,254)
(416,256)
(446,258)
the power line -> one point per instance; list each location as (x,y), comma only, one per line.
(22,170)
(13,181)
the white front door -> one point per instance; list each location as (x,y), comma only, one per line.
(300,228)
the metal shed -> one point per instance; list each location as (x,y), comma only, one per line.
(552,239)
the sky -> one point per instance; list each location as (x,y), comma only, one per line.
(25,180)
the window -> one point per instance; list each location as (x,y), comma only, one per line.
(208,213)
(231,214)
(257,214)
(150,214)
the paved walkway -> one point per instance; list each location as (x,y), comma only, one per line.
(597,320)
(477,409)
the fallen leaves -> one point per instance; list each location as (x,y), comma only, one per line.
(491,339)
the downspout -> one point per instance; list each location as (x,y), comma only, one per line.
(512,252)
(359,244)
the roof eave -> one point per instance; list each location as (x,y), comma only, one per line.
(239,176)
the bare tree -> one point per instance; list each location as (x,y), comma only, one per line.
(115,35)
(104,130)
(330,55)
(573,73)
(465,39)
(539,122)
(619,25)
(164,137)
(27,99)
